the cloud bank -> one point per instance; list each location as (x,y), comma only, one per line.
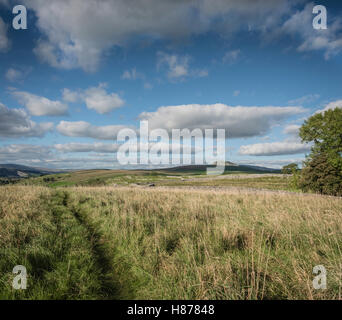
(239,121)
(72,36)
(274,149)
(15,123)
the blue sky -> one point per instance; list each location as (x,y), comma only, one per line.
(84,68)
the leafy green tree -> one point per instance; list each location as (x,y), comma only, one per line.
(290,168)
(322,170)
(325,131)
(293,170)
(319,175)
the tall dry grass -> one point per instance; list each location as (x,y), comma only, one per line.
(163,243)
(38,231)
(188,244)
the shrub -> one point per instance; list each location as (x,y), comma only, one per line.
(320,176)
(323,168)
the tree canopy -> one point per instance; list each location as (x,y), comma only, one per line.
(290,168)
(325,131)
(322,170)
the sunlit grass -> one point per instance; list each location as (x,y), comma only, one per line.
(163,243)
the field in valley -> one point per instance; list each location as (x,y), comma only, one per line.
(113,237)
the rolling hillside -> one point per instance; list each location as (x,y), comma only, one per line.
(229,167)
(20,171)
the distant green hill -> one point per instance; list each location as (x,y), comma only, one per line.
(19,171)
(229,167)
(14,171)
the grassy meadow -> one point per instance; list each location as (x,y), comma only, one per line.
(127,242)
(161,178)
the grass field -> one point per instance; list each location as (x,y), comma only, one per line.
(118,242)
(243,181)
(161,178)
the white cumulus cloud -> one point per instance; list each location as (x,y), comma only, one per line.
(77,33)
(231,56)
(98,99)
(41,106)
(17,74)
(274,148)
(292,129)
(15,123)
(70,96)
(97,147)
(132,74)
(177,66)
(85,129)
(239,121)
(13,75)
(95,98)
(330,106)
(328,41)
(20,152)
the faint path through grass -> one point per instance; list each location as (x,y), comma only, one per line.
(111,287)
(65,255)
